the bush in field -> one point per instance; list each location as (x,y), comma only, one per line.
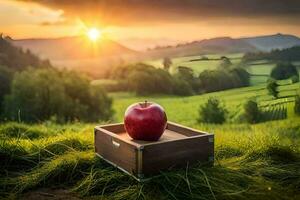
(252,113)
(284,71)
(212,112)
(272,87)
(38,95)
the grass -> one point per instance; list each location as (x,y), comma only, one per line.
(252,162)
(259,161)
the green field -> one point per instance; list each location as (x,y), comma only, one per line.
(185,109)
(259,161)
(197,66)
(251,161)
(259,70)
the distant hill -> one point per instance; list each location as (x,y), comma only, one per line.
(207,46)
(77,47)
(228,45)
(269,42)
(78,53)
(17,59)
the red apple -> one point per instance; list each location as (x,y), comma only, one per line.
(145,121)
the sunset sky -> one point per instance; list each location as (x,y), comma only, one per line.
(180,20)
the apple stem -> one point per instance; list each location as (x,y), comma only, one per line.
(145,103)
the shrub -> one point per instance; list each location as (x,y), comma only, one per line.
(272,87)
(38,95)
(212,112)
(252,113)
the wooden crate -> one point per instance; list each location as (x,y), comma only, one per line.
(178,146)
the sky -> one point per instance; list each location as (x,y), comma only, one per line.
(161,20)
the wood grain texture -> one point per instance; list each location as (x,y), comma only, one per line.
(123,155)
(177,153)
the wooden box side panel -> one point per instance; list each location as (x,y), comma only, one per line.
(184,130)
(177,153)
(114,128)
(122,154)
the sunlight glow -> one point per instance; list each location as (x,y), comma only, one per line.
(94,34)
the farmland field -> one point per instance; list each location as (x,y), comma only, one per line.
(259,70)
(185,109)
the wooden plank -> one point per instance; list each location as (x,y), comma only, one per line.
(116,151)
(177,153)
(184,130)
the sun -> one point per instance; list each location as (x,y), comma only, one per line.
(93,34)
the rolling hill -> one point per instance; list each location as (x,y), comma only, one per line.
(207,46)
(76,47)
(269,42)
(228,45)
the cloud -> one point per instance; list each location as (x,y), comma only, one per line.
(128,12)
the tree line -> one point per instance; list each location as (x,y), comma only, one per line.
(289,54)
(145,79)
(31,90)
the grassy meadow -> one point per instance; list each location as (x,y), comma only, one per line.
(251,161)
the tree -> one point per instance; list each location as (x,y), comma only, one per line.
(272,87)
(212,112)
(167,62)
(150,81)
(252,112)
(284,71)
(182,87)
(40,94)
(225,62)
